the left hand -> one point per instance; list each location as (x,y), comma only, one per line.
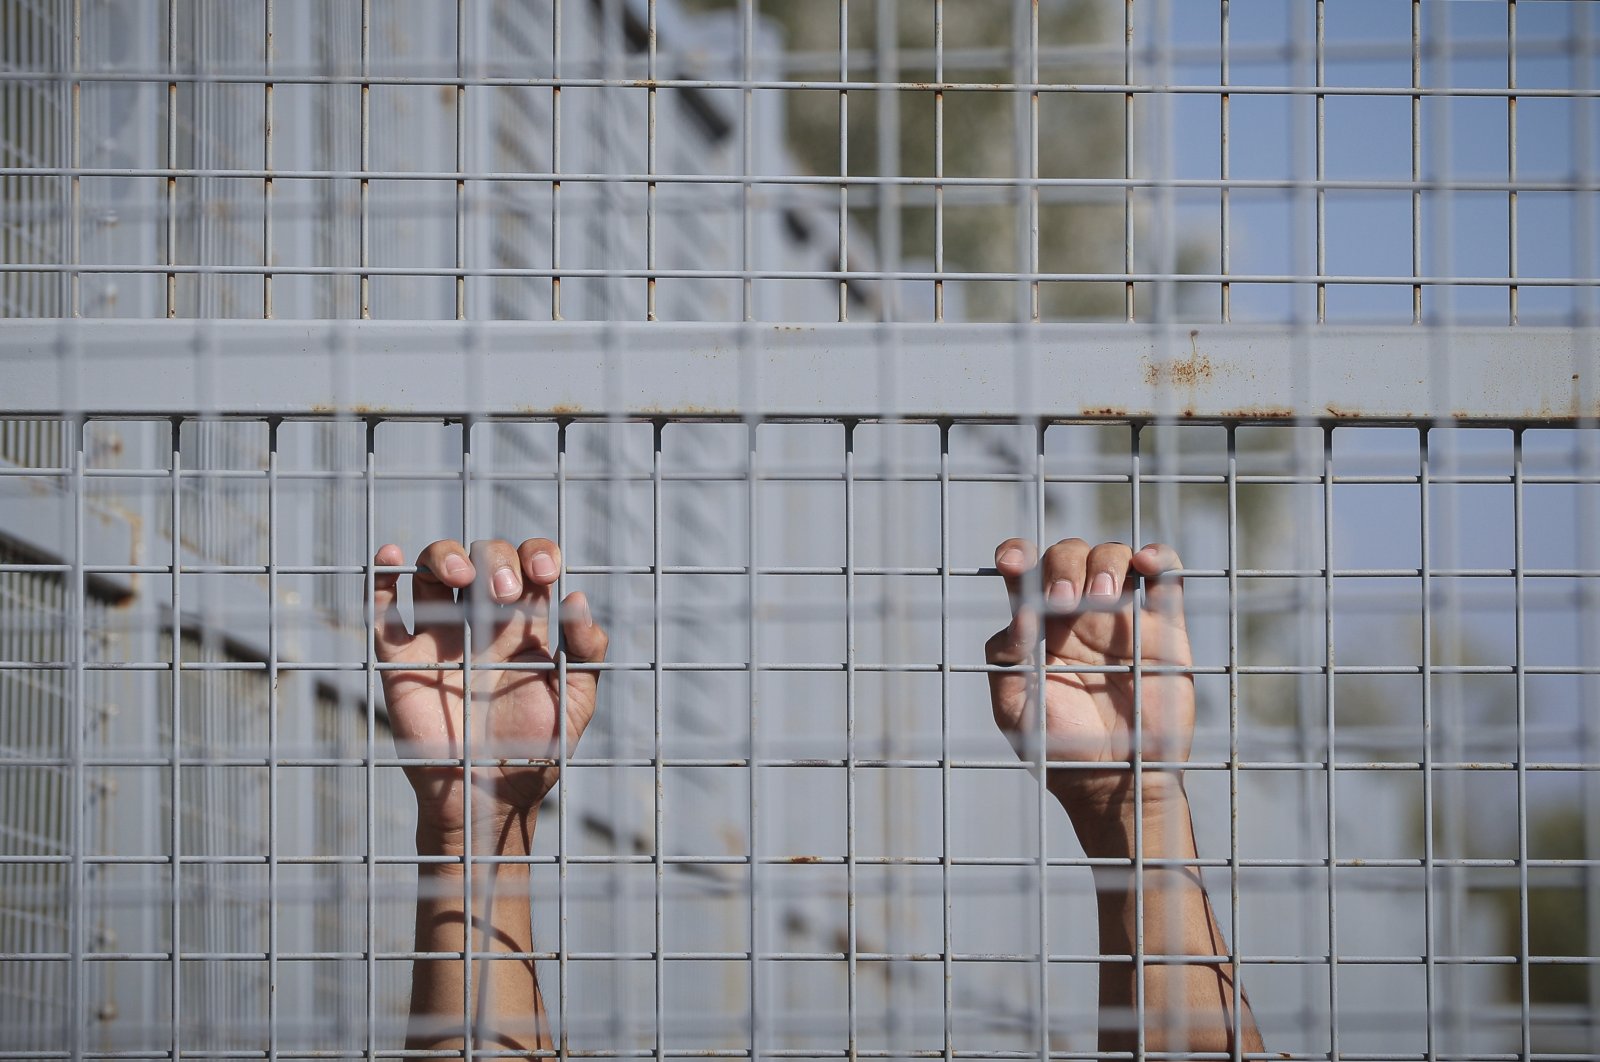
(515,714)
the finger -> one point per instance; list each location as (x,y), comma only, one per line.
(1013,559)
(442,569)
(1163,591)
(1105,576)
(388,628)
(1061,575)
(540,561)
(497,559)
(1013,643)
(585,642)
(1010,646)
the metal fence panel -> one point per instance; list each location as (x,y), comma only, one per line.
(777,318)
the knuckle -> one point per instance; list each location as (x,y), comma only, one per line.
(1029,551)
(1064,557)
(1065,550)
(533,546)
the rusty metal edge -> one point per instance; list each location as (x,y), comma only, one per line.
(930,372)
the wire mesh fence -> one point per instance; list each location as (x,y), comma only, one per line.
(779,321)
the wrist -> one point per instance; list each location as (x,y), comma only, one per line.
(504,832)
(1108,813)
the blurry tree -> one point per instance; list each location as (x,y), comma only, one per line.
(1557,926)
(986,134)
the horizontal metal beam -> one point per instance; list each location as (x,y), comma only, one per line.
(832,371)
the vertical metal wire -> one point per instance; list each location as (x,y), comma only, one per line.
(1512,290)
(1234,928)
(563,1045)
(1520,666)
(657,623)
(852,986)
(1127,160)
(946,958)
(1041,735)
(1140,1043)
(364,224)
(266,165)
(1033,161)
(1225,164)
(1321,161)
(1416,159)
(1429,969)
(469,1026)
(844,160)
(555,183)
(747,30)
(751,385)
(272,737)
(369,765)
(1331,795)
(650,159)
(77,892)
(172,178)
(74,256)
(175,745)
(938,165)
(886,61)
(461,160)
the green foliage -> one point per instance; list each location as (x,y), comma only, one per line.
(986,134)
(1558,922)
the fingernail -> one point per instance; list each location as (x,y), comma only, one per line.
(457,567)
(544,565)
(585,615)
(1011,556)
(505,584)
(1152,550)
(1063,594)
(1103,586)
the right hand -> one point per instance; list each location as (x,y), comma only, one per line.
(515,714)
(1088,593)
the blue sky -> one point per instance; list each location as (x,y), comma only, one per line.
(1369,232)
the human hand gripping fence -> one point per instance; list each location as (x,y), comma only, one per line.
(1090,597)
(1115,714)
(515,716)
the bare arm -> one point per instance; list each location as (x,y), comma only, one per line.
(1188,1006)
(509,1009)
(504,594)
(1089,618)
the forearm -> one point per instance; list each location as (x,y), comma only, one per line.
(506,1008)
(1188,1006)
